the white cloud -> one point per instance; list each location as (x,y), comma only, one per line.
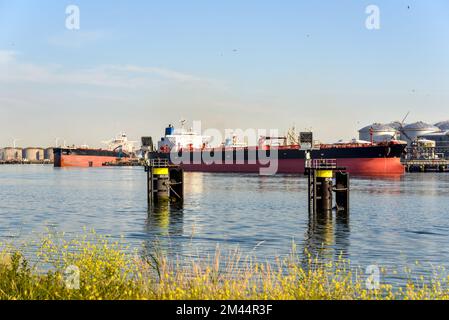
(7,56)
(76,39)
(169,74)
(12,70)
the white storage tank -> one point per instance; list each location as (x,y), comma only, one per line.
(380,132)
(443,125)
(33,154)
(49,155)
(11,154)
(412,131)
(395,125)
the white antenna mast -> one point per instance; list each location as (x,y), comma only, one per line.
(183,122)
(14,140)
(57,141)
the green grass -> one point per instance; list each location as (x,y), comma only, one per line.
(108,271)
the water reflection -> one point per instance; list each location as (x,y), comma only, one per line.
(412,184)
(164,223)
(381,177)
(327,237)
(195,183)
(342,233)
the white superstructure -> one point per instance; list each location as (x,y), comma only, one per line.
(178,139)
(120,142)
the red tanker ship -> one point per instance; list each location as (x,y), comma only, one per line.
(79,157)
(118,148)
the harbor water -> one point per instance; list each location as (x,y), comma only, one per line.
(395,222)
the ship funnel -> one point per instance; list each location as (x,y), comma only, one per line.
(170,130)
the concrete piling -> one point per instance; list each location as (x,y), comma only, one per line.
(342,192)
(321,174)
(165,182)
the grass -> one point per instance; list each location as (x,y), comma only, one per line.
(93,267)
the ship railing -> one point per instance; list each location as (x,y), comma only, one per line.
(158,163)
(322,163)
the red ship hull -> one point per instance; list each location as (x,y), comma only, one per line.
(85,157)
(362,166)
(359,159)
(84,161)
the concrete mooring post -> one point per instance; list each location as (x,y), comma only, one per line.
(321,174)
(165,182)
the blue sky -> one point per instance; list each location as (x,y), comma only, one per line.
(139,65)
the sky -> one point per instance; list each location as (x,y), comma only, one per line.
(136,66)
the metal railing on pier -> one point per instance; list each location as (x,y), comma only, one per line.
(158,163)
(321,164)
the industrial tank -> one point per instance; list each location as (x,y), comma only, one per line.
(33,154)
(443,125)
(414,130)
(396,125)
(380,133)
(11,154)
(49,155)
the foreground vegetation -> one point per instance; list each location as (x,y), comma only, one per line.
(108,271)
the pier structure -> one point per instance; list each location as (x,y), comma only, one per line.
(426,165)
(165,182)
(324,179)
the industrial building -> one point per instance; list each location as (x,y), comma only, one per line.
(33,154)
(378,132)
(11,154)
(441,140)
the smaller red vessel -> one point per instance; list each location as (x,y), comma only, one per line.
(118,148)
(78,157)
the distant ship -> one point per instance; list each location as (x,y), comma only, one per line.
(359,157)
(118,148)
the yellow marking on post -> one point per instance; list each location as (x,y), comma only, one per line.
(160,171)
(324,173)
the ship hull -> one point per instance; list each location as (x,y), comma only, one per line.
(367,160)
(84,158)
(361,166)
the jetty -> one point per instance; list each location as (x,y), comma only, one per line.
(426,165)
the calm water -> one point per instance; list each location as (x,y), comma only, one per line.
(393,222)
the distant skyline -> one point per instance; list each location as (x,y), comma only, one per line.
(136,66)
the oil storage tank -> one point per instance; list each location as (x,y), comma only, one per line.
(412,131)
(33,154)
(11,154)
(379,133)
(443,125)
(396,125)
(49,155)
